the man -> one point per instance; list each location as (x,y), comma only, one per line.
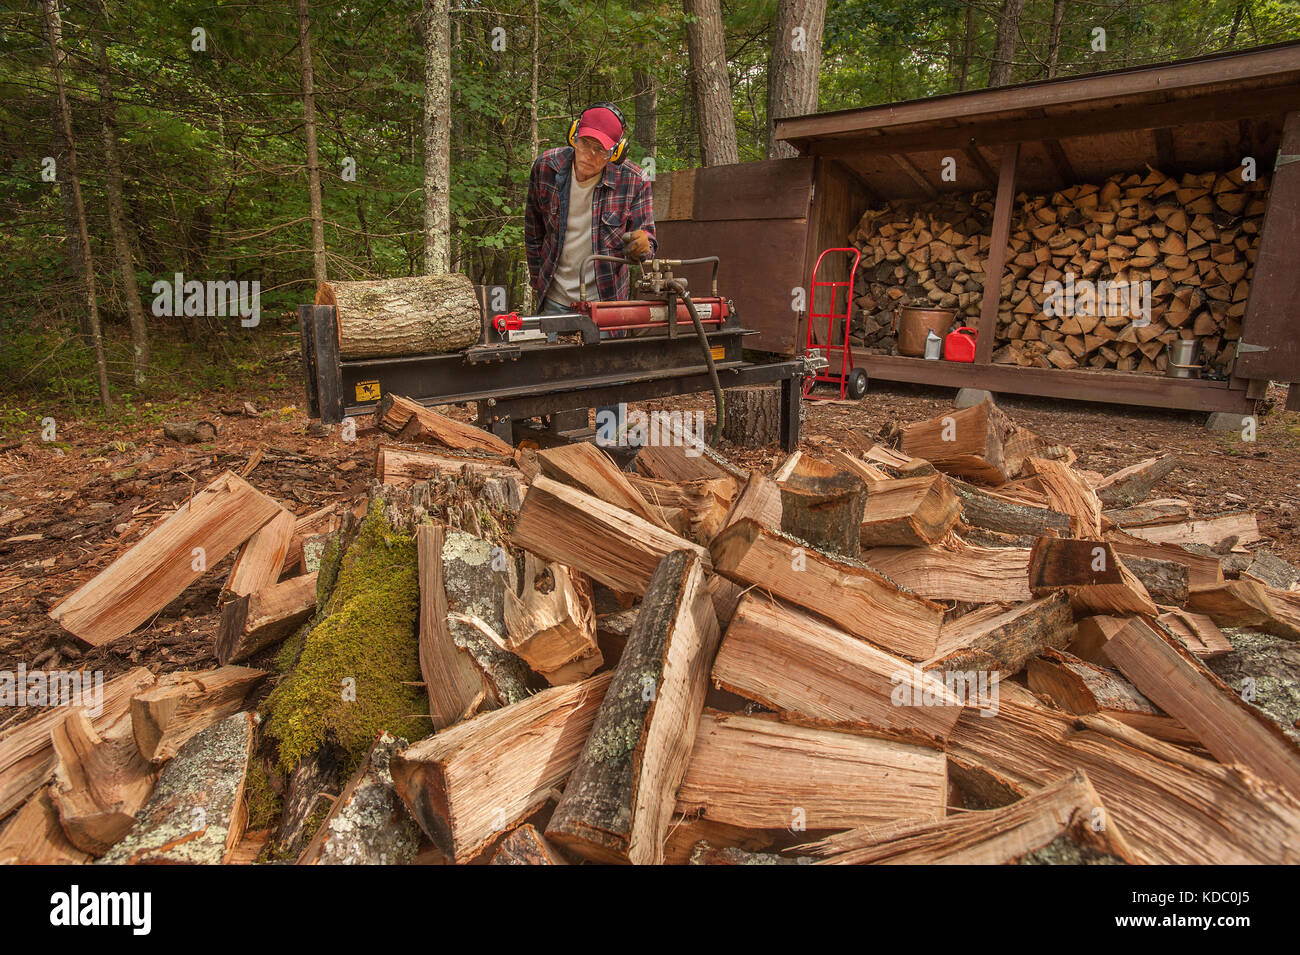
(581,203)
(584,199)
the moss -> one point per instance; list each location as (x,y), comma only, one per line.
(264,806)
(354,673)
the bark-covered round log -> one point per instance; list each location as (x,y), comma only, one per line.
(413,315)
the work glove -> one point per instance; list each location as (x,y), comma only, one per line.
(636,245)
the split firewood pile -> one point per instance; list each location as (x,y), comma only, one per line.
(956,648)
(1193,239)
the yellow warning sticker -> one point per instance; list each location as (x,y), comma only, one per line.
(367,391)
(719,352)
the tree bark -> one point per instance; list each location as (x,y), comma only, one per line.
(313,157)
(1004,47)
(437,136)
(423,314)
(1054,44)
(794,67)
(534,139)
(116,217)
(645,99)
(968,46)
(711,86)
(54,26)
(753,416)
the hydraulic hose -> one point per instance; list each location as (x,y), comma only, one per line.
(708,356)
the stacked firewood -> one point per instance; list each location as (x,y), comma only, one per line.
(958,648)
(1191,239)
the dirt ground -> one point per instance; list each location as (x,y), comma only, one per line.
(71,506)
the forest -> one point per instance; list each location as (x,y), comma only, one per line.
(281,143)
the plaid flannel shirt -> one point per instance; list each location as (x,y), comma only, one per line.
(622,202)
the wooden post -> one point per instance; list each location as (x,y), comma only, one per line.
(997,260)
(329,374)
(791,397)
(1276,283)
(307,330)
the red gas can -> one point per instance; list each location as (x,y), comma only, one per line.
(959,345)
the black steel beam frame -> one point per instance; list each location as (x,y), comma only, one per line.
(535,378)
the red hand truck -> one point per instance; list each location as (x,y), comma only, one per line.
(852,381)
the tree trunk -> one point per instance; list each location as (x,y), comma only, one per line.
(437,136)
(645,128)
(1054,44)
(534,139)
(795,64)
(711,89)
(54,25)
(1004,48)
(313,157)
(968,46)
(73,270)
(116,217)
(753,416)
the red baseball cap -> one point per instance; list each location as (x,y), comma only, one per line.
(602,125)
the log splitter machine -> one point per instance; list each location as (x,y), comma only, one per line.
(676,344)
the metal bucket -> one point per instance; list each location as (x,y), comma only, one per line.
(914,324)
(1182,359)
(933,347)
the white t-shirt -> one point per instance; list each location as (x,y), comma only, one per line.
(577,243)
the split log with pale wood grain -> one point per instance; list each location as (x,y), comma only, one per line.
(166,715)
(908,512)
(1068,810)
(967,443)
(176,553)
(761,772)
(551,623)
(608,544)
(1003,639)
(848,593)
(792,662)
(261,619)
(414,422)
(527,750)
(100,781)
(1227,726)
(26,756)
(1174,807)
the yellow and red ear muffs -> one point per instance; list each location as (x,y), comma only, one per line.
(619,152)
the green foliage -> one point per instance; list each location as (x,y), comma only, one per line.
(212,142)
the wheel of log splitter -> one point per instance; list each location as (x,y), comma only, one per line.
(856,384)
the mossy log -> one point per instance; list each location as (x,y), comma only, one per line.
(412,315)
(358,670)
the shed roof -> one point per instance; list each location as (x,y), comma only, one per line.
(1195,114)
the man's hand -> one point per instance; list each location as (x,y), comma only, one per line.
(636,245)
